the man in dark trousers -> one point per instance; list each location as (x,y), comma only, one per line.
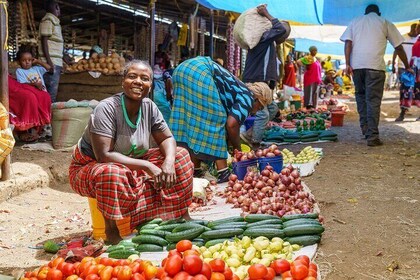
(365,43)
(262,66)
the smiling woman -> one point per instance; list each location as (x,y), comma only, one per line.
(114,163)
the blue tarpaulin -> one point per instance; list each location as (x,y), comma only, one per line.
(337,12)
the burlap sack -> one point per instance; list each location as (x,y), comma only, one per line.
(249,27)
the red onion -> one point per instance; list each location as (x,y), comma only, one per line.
(265,172)
(259,153)
(248,179)
(253,208)
(260,195)
(237,187)
(275,176)
(266,189)
(259,185)
(277,152)
(295,174)
(241,199)
(233,177)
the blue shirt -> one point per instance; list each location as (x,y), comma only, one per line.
(31,75)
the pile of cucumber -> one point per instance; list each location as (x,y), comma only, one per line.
(154,236)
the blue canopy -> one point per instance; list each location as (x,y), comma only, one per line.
(332,48)
(338,12)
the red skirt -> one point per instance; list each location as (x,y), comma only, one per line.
(121,192)
(29,106)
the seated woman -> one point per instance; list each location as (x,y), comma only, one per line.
(114,163)
(30,110)
(210,104)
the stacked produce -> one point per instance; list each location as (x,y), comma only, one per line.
(271,151)
(269,192)
(308,154)
(202,195)
(328,135)
(300,268)
(288,156)
(109,65)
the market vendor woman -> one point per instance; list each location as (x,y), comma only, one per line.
(113,161)
(209,106)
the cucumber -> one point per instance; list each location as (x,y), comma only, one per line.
(297,230)
(149,239)
(215,241)
(171,246)
(127,244)
(225,221)
(154,232)
(231,225)
(221,233)
(188,234)
(149,248)
(252,218)
(301,222)
(186,226)
(299,216)
(201,222)
(198,243)
(114,248)
(276,226)
(304,240)
(268,232)
(156,221)
(265,222)
(147,226)
(173,221)
(169,227)
(122,254)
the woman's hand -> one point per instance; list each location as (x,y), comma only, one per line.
(168,174)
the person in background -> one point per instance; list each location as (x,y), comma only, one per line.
(261,65)
(113,161)
(290,68)
(51,47)
(365,43)
(162,58)
(31,73)
(409,40)
(328,64)
(162,91)
(311,78)
(210,104)
(389,75)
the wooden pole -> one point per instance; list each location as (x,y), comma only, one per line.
(4,86)
(152,32)
(211,49)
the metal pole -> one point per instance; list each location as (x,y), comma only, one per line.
(211,33)
(4,86)
(152,32)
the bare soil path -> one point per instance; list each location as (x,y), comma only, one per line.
(370,198)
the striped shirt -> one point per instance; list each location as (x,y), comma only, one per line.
(50,27)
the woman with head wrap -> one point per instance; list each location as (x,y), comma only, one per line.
(311,78)
(209,106)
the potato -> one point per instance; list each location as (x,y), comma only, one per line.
(115,60)
(102,60)
(110,66)
(103,65)
(108,59)
(115,55)
(94,56)
(117,66)
(105,71)
(102,55)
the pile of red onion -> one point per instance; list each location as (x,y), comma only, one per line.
(271,151)
(197,203)
(269,192)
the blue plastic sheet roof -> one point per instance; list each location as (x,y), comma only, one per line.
(338,12)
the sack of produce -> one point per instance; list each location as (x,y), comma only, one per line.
(249,27)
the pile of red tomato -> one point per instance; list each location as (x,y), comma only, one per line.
(300,269)
(184,263)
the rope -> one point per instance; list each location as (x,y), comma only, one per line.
(4,5)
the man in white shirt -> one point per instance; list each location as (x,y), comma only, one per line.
(365,43)
(409,40)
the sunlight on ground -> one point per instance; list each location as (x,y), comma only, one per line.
(409,124)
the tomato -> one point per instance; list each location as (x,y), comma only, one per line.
(190,252)
(280,266)
(55,262)
(217,276)
(115,271)
(87,259)
(173,265)
(92,277)
(92,269)
(106,273)
(304,259)
(83,266)
(160,273)
(137,276)
(73,277)
(42,275)
(107,261)
(68,269)
(135,267)
(162,264)
(288,278)
(60,266)
(166,278)
(298,271)
(182,275)
(312,273)
(143,265)
(310,278)
(228,273)
(257,271)
(286,274)
(235,277)
(217,265)
(150,272)
(200,277)
(124,273)
(192,264)
(313,266)
(121,262)
(271,274)
(183,245)
(206,270)
(54,274)
(174,252)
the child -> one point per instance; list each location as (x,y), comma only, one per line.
(31,72)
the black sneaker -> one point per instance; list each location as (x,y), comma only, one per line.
(223,176)
(374,143)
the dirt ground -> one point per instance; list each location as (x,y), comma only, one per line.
(369,197)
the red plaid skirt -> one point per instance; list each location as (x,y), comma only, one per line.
(121,192)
